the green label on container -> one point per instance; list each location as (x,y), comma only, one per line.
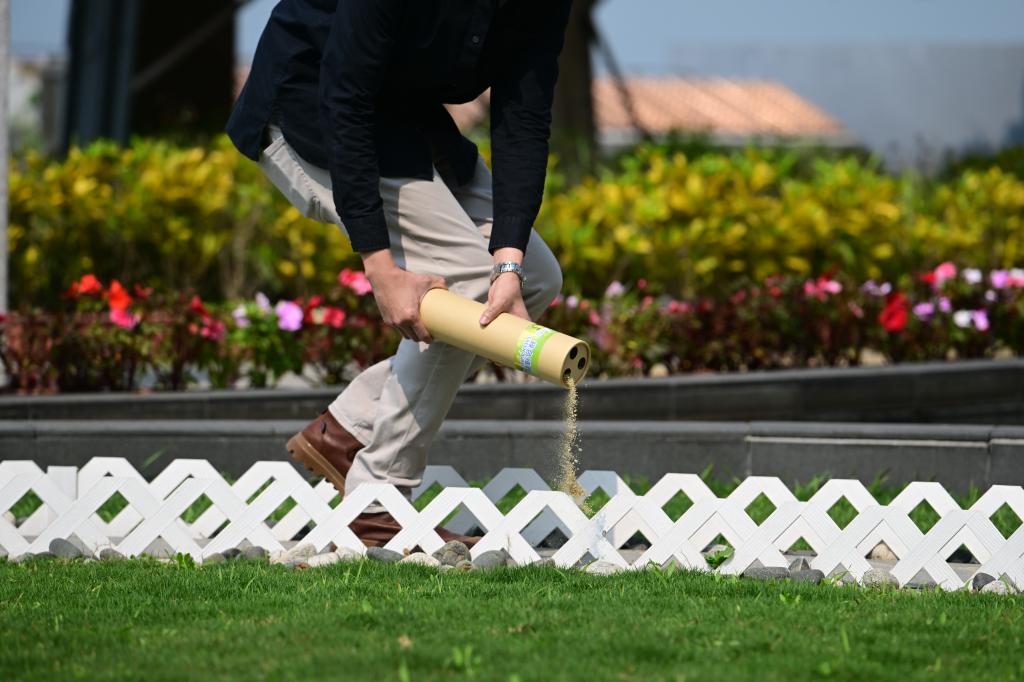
(529,345)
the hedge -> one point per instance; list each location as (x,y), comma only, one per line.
(206,219)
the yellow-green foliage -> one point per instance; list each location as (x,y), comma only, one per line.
(175,217)
(165,216)
(699,225)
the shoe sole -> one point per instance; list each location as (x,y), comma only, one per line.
(306,455)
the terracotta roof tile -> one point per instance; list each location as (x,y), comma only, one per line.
(721,106)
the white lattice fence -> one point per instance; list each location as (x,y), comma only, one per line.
(239,511)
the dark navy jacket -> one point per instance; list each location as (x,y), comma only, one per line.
(358,87)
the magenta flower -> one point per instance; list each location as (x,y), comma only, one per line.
(289,316)
(124,319)
(944,305)
(924,310)
(980,319)
(999,279)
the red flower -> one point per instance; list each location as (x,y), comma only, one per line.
(142,292)
(85,286)
(334,317)
(118,297)
(196,306)
(927,277)
(894,316)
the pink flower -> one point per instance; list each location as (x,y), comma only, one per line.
(241,318)
(972,275)
(821,288)
(572,301)
(945,271)
(289,316)
(614,289)
(875,289)
(355,280)
(262,302)
(980,319)
(213,329)
(594,318)
(123,319)
(944,305)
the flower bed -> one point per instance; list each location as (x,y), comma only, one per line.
(107,336)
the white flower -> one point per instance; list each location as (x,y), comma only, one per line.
(972,275)
(962,318)
(990,296)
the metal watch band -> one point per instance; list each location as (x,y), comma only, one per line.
(508,266)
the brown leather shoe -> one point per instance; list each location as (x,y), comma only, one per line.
(326,448)
(376,529)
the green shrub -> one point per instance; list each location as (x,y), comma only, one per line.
(206,219)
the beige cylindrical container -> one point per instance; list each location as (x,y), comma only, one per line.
(508,340)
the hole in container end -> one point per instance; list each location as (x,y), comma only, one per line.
(566,374)
(582,363)
(573,353)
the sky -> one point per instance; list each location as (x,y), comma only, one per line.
(645,34)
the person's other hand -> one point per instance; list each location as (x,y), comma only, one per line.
(398,294)
(505,296)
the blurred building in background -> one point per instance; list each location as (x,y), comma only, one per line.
(151,66)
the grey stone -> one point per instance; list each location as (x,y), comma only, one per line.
(232,553)
(545,562)
(767,572)
(452,553)
(255,553)
(215,558)
(110,554)
(491,559)
(346,554)
(810,575)
(799,564)
(980,580)
(603,568)
(995,587)
(555,539)
(879,577)
(63,549)
(881,552)
(381,554)
(303,550)
(323,559)
(465,566)
(445,567)
(421,558)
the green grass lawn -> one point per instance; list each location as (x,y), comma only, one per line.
(370,621)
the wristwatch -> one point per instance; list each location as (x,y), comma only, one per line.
(508,266)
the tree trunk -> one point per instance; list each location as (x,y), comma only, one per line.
(572,128)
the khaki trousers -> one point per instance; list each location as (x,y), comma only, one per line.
(396,407)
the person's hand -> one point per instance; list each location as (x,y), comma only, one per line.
(505,296)
(398,294)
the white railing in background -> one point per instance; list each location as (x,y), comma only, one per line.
(71,497)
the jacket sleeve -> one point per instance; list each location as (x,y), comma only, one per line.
(521,99)
(356,57)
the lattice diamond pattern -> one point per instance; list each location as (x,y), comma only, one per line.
(71,497)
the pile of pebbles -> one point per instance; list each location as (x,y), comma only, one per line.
(455,556)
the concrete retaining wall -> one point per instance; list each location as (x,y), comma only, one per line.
(981,392)
(956,456)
